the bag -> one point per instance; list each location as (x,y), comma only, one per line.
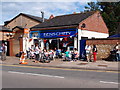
(87,52)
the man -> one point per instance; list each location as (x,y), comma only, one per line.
(4,51)
(0,51)
(88,49)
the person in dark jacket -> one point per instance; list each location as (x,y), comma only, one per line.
(94,53)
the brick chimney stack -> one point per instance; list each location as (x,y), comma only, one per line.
(51,16)
(74,12)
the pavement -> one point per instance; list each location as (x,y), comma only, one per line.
(59,63)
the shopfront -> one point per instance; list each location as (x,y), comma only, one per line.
(58,38)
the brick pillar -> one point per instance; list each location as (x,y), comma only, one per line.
(21,44)
(11,47)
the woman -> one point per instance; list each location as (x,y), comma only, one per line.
(76,54)
(37,51)
(94,53)
(67,55)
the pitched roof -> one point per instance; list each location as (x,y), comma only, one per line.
(20,27)
(36,18)
(3,28)
(39,19)
(64,20)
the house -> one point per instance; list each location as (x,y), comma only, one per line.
(18,25)
(67,31)
(5,34)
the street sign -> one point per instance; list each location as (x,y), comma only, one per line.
(26,30)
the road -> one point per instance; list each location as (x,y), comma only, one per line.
(37,77)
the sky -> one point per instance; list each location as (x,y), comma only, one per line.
(11,8)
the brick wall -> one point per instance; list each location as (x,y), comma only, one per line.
(3,35)
(104,46)
(95,23)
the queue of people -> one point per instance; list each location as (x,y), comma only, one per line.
(35,52)
(71,55)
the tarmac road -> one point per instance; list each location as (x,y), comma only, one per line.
(36,77)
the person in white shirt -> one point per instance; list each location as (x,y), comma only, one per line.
(37,51)
(88,52)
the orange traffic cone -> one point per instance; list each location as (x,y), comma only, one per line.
(22,59)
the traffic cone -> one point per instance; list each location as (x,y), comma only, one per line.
(22,59)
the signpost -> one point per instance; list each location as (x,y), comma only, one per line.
(26,33)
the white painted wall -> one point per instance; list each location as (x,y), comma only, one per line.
(75,42)
(90,34)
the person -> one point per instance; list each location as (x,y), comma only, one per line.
(72,55)
(67,55)
(0,51)
(117,51)
(58,53)
(76,54)
(31,49)
(51,52)
(37,51)
(94,50)
(4,51)
(88,52)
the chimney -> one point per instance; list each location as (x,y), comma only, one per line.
(42,16)
(51,16)
(74,12)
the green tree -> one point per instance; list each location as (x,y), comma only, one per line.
(92,6)
(110,12)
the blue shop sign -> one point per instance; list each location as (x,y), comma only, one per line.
(56,33)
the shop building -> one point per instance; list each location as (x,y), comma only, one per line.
(18,25)
(67,31)
(5,34)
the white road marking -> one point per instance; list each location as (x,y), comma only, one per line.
(35,74)
(109,82)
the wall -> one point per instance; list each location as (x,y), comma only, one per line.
(104,46)
(92,34)
(3,35)
(22,21)
(95,23)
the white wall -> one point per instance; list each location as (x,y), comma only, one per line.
(90,34)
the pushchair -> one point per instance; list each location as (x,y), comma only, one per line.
(31,55)
(113,55)
(45,58)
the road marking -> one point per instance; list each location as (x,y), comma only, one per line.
(61,68)
(109,82)
(34,74)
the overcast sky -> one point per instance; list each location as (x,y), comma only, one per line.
(10,9)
